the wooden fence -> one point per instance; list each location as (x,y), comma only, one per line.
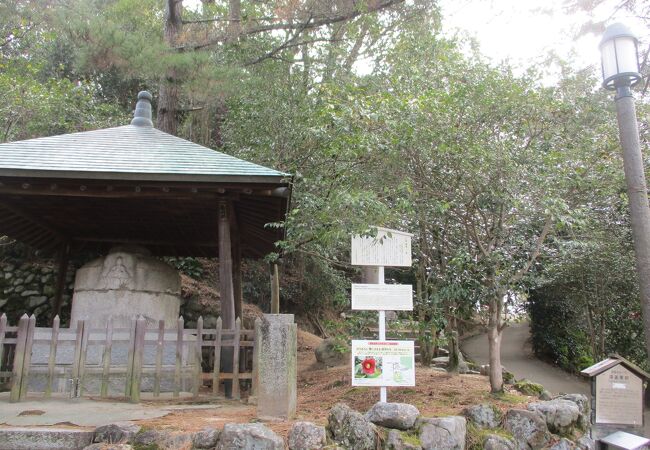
(125,362)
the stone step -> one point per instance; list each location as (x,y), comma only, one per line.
(19,438)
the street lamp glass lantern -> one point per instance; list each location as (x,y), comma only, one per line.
(620,63)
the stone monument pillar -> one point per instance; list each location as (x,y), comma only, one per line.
(124,284)
(276,358)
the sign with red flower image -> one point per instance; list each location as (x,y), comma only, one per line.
(383,363)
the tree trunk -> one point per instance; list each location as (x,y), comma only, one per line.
(168,97)
(494,344)
(454,353)
(234,20)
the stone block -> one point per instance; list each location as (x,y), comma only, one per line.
(276,354)
(44,438)
(116,433)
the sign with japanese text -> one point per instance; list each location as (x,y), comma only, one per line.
(383,363)
(619,397)
(382,297)
(390,248)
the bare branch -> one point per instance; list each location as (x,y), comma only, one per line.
(310,24)
(538,248)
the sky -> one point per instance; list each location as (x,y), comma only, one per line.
(525,31)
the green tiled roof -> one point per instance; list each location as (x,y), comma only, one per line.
(127,153)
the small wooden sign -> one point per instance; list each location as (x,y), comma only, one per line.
(390,248)
(382,297)
(619,397)
(617,391)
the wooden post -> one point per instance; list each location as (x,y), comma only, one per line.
(82,360)
(179,356)
(236,338)
(51,362)
(3,330)
(159,357)
(106,358)
(256,357)
(64,258)
(236,262)
(198,375)
(129,360)
(217,358)
(225,268)
(138,358)
(27,361)
(275,290)
(77,356)
(226,284)
(19,358)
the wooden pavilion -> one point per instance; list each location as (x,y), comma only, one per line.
(137,185)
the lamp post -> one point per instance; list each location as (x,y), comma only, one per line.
(620,67)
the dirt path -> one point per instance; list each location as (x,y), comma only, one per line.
(517,357)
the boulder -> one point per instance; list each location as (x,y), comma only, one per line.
(307,436)
(146,437)
(245,436)
(496,442)
(440,361)
(583,404)
(527,387)
(443,433)
(351,429)
(483,416)
(401,416)
(528,429)
(463,366)
(175,441)
(162,439)
(397,441)
(116,433)
(206,438)
(330,353)
(563,444)
(585,443)
(545,395)
(561,416)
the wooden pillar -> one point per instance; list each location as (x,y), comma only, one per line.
(64,259)
(275,290)
(226,267)
(226,288)
(236,263)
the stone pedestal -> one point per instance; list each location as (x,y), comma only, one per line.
(124,284)
(276,347)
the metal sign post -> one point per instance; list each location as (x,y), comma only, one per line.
(382,330)
(389,248)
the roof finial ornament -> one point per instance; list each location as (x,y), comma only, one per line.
(142,115)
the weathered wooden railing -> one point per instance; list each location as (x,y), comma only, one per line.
(125,362)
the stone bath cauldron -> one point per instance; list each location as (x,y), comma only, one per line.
(124,284)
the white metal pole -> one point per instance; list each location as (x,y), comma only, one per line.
(382,329)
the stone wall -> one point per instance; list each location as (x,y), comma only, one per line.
(30,287)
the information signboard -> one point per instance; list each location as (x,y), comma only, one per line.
(383,363)
(382,297)
(619,397)
(390,248)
